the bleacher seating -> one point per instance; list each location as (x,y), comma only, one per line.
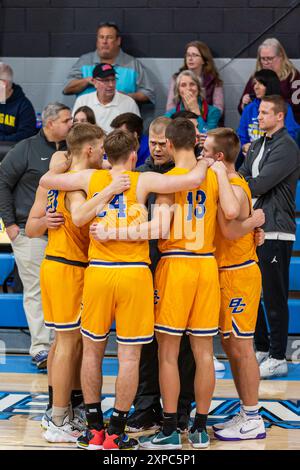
(295,274)
(11,311)
(294,310)
(7,262)
(296,246)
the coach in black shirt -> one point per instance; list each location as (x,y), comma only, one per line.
(272,169)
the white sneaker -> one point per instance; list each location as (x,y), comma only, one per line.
(219,366)
(248,428)
(231,422)
(79,418)
(67,432)
(272,367)
(45,419)
(261,356)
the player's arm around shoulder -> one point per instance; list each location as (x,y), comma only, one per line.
(83,211)
(168,183)
(227,198)
(66,181)
(245,222)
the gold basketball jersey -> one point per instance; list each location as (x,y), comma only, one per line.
(122,211)
(67,241)
(194,223)
(236,253)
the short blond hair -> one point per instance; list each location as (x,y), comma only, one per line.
(226,141)
(81,134)
(159,125)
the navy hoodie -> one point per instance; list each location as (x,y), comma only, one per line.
(17,117)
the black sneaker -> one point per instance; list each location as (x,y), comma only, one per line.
(147,420)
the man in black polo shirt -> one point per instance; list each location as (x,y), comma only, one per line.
(20,172)
(272,168)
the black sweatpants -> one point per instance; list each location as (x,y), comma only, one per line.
(274,261)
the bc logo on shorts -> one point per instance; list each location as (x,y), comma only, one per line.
(237,305)
(52,200)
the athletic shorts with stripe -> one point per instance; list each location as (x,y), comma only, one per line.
(61,288)
(240,295)
(187,294)
(122,292)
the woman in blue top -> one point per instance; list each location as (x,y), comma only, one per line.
(265,83)
(189,96)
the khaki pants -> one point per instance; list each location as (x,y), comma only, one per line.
(29,253)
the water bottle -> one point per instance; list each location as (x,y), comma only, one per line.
(39,122)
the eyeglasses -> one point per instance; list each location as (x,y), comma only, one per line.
(106,81)
(267,59)
(192,55)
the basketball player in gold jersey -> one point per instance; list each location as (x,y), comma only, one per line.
(187,293)
(240,281)
(118,282)
(62,274)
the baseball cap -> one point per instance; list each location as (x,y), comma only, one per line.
(103,70)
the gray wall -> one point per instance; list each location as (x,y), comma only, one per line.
(151,28)
(42,80)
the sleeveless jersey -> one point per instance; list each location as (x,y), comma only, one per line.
(68,241)
(194,222)
(122,211)
(241,252)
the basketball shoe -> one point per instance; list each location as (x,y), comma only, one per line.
(91,439)
(247,428)
(67,432)
(160,441)
(119,442)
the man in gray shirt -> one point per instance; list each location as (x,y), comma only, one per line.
(20,172)
(132,78)
(272,169)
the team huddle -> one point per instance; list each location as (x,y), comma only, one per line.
(96,271)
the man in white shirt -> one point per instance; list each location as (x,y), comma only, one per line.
(106,102)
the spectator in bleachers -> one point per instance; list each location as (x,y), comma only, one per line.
(132,78)
(84,114)
(265,83)
(271,55)
(20,172)
(272,169)
(189,97)
(17,116)
(134,124)
(106,102)
(198,58)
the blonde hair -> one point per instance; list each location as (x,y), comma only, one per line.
(287,67)
(159,125)
(187,73)
(81,134)
(226,141)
